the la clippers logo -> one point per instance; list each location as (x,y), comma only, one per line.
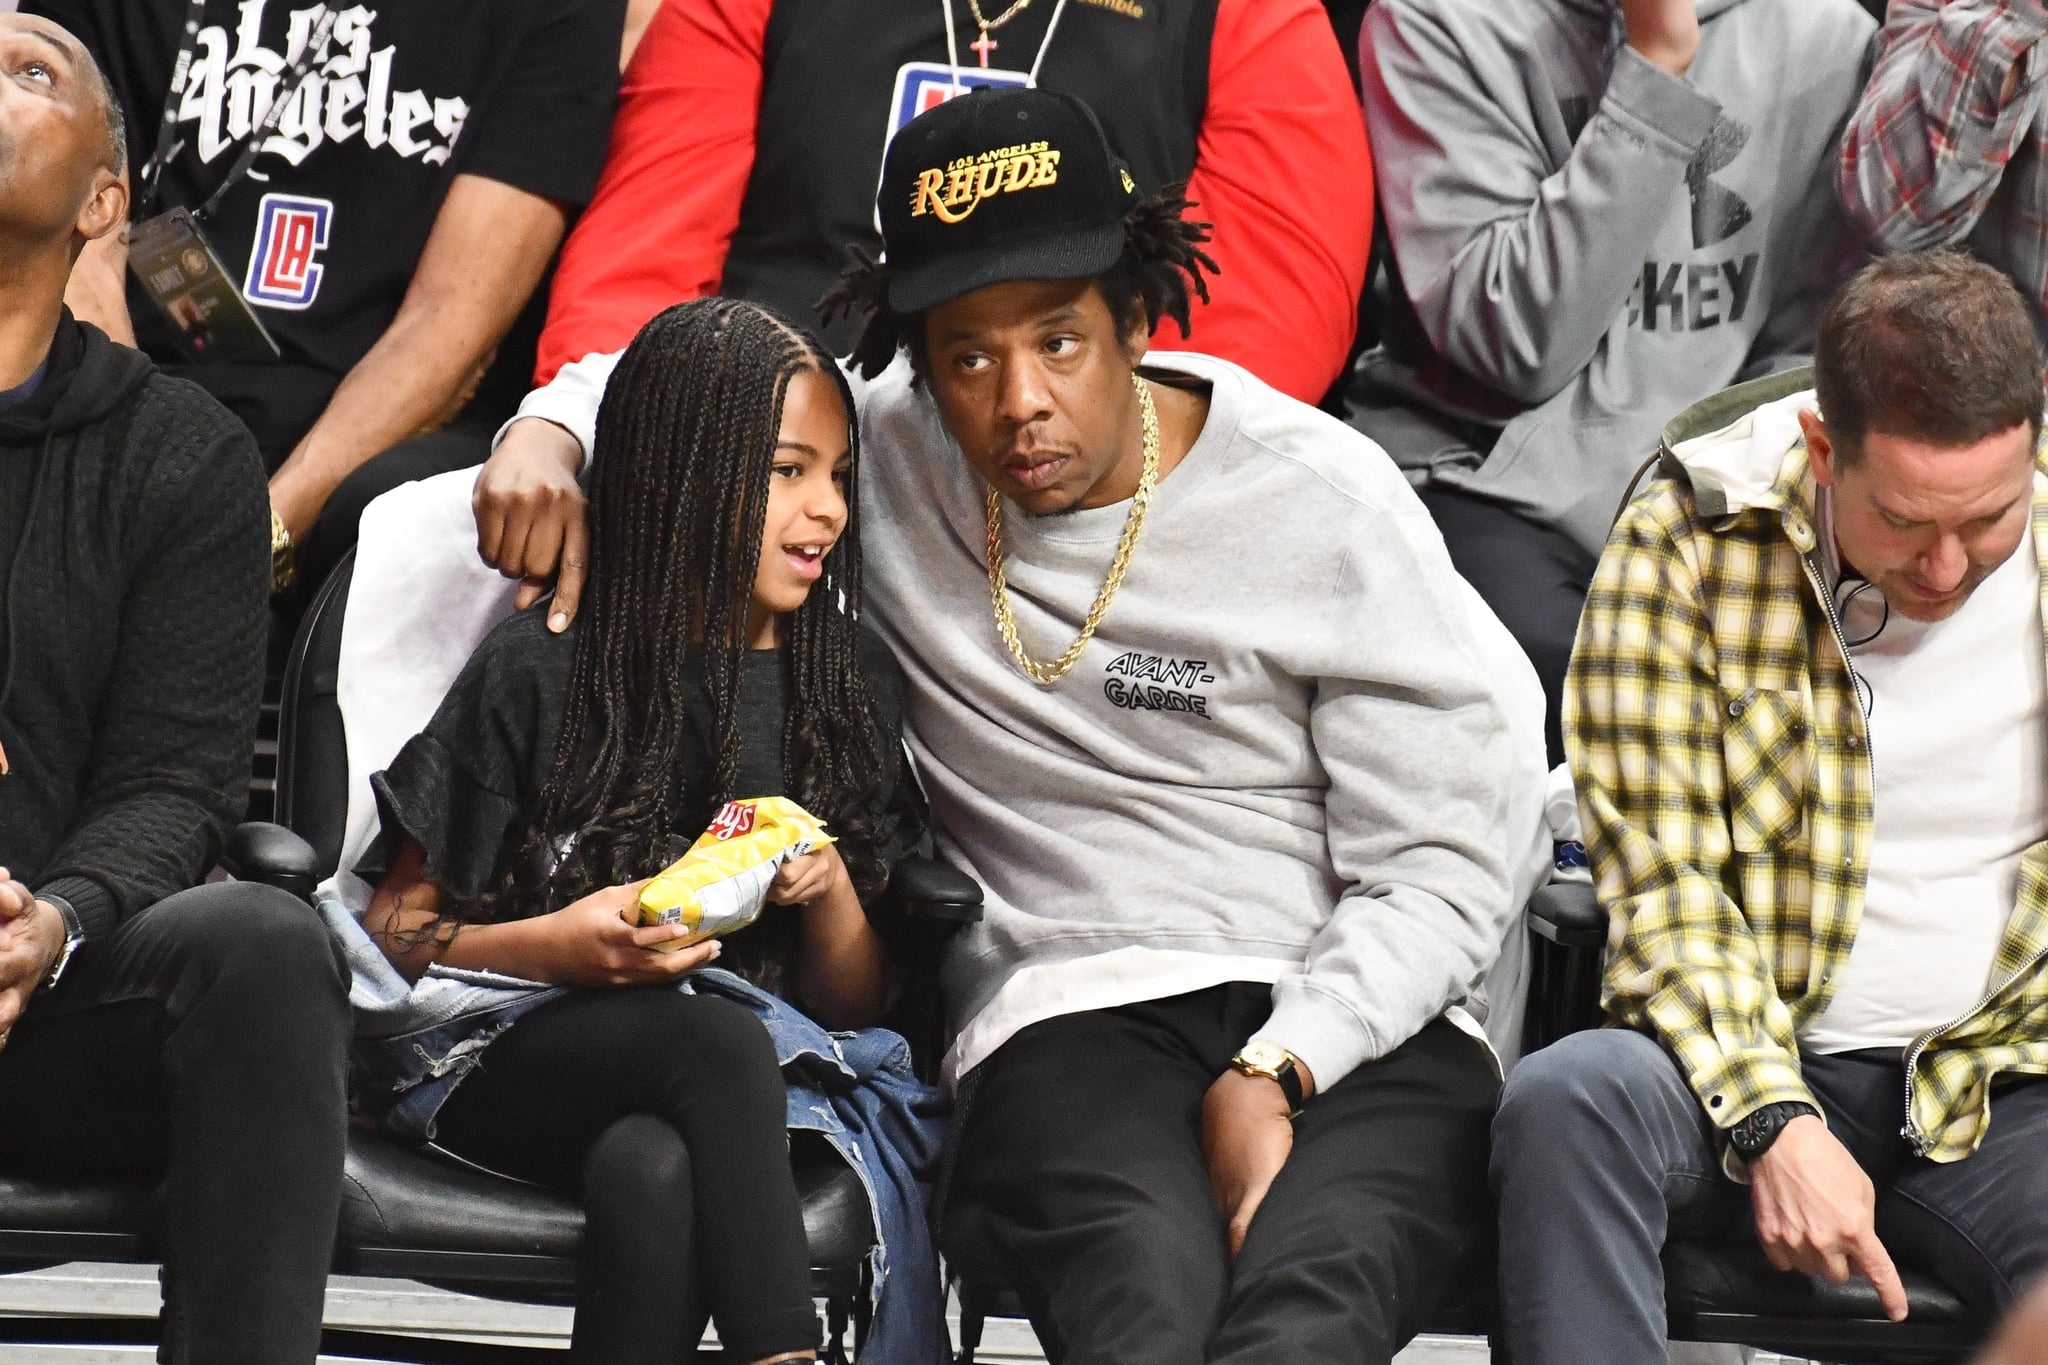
(733,819)
(284,266)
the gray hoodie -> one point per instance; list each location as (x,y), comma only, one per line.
(1583,244)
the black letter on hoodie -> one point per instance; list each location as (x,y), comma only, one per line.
(1741,279)
(1665,294)
(1718,213)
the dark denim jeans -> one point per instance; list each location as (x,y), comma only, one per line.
(1600,1149)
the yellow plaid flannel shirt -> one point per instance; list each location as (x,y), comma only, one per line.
(1725,782)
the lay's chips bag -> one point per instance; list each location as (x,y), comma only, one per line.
(722,882)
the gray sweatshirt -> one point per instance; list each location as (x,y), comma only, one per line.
(1299,750)
(1589,244)
(1295,740)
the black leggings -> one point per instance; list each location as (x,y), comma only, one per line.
(666,1114)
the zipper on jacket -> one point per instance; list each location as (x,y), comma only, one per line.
(1827,603)
(1920,1142)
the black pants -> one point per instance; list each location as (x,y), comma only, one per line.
(206,1040)
(667,1114)
(1533,576)
(1080,1183)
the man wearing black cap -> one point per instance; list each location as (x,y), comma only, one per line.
(1248,840)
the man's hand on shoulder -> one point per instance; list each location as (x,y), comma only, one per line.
(1665,32)
(31,936)
(530,515)
(1816,1211)
(1247,1136)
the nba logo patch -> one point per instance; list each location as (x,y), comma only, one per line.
(284,267)
(924,86)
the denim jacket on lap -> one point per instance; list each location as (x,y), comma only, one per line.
(415,1042)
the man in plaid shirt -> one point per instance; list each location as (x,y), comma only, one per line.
(1807,717)
(1949,145)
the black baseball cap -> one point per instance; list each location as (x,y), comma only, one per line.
(1000,184)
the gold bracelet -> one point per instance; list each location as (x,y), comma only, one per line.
(283,555)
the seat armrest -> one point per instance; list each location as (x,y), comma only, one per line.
(259,851)
(928,889)
(935,900)
(1568,914)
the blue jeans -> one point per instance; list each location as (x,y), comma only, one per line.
(1601,1150)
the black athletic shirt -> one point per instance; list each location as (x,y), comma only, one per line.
(461,787)
(841,75)
(324,234)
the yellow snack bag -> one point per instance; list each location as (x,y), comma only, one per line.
(722,882)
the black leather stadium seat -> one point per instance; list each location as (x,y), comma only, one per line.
(408,1213)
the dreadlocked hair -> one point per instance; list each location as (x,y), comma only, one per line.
(1159,274)
(686,438)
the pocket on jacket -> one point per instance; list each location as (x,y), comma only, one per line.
(1766,757)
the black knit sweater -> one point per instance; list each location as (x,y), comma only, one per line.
(134,559)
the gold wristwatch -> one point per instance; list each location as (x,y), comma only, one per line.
(1275,1063)
(283,555)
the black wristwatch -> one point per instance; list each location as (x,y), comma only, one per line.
(1753,1135)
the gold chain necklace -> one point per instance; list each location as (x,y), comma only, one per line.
(974,8)
(1045,675)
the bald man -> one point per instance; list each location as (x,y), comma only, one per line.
(149,1026)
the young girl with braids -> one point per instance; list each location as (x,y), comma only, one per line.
(718,655)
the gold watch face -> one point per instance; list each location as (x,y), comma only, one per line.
(1262,1058)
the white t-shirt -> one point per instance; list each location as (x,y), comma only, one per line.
(1959,736)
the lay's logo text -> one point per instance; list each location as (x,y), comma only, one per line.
(734,819)
(956,191)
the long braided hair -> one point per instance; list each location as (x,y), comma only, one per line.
(1158,275)
(686,438)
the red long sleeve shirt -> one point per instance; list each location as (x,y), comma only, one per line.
(1281,168)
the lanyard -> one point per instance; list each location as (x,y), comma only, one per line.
(1031,77)
(167,143)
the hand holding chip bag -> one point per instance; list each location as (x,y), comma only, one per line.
(722,882)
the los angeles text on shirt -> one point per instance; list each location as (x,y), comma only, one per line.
(348,94)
